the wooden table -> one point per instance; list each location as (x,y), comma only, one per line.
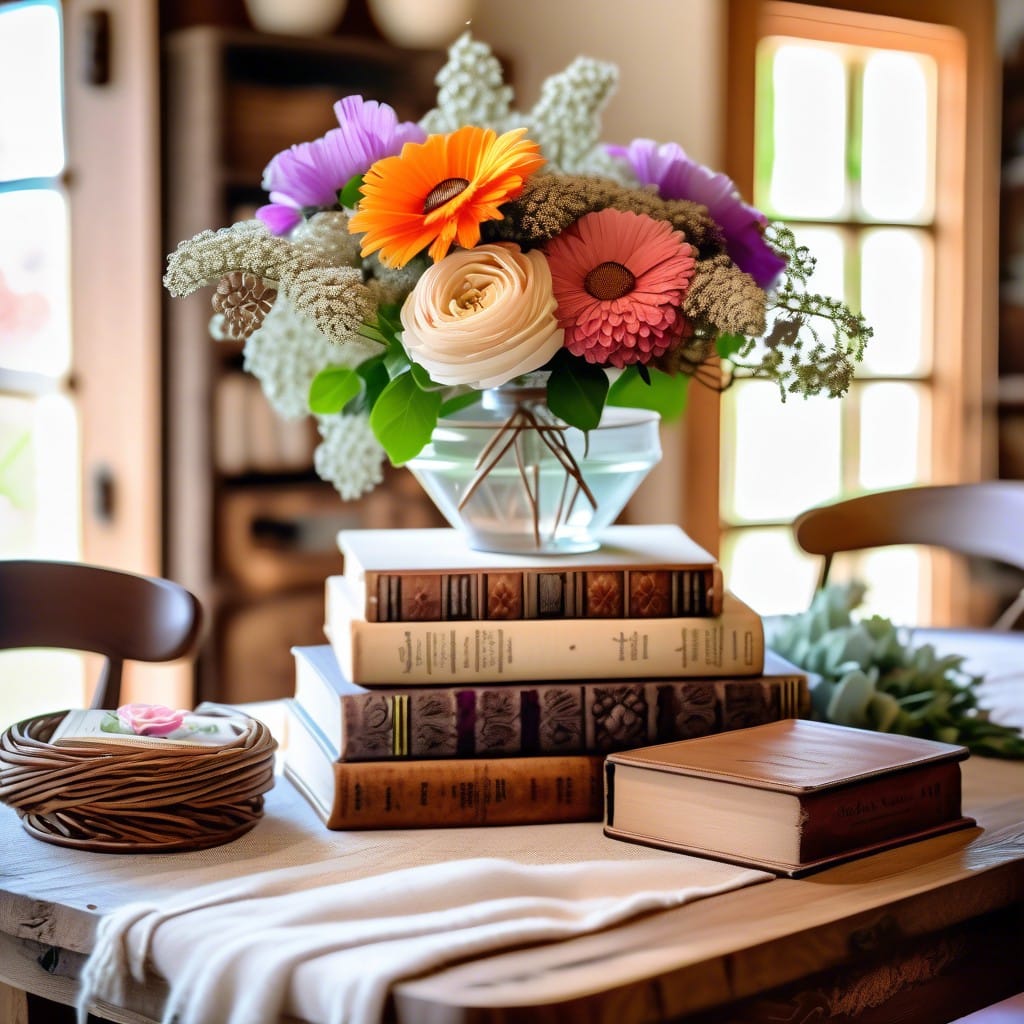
(927,932)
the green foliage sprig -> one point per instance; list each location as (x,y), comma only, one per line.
(872,677)
(814,341)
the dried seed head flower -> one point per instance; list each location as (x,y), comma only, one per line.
(243,300)
(721,294)
(550,203)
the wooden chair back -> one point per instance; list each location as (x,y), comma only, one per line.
(985,520)
(120,615)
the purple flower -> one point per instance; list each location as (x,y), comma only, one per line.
(309,175)
(676,176)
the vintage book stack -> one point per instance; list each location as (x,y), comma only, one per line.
(462,687)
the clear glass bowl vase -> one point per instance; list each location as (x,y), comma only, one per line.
(514,478)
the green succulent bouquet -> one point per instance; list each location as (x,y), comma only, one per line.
(871,676)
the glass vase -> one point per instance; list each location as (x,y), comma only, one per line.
(514,478)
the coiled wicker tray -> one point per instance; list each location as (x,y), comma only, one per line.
(135,800)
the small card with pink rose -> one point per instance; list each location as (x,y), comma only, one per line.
(145,725)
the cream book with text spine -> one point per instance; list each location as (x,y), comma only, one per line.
(416,653)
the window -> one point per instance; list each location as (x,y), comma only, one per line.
(858,144)
(39,477)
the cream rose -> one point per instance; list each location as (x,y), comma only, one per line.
(482,316)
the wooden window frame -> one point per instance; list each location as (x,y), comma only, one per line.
(962,39)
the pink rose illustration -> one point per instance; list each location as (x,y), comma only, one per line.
(150,719)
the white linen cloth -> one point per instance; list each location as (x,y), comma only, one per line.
(324,943)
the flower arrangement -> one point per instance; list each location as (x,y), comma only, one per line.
(400,269)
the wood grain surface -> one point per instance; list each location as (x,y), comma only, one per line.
(926,932)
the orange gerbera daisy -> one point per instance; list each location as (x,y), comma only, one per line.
(440,191)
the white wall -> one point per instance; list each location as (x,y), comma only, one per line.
(669,54)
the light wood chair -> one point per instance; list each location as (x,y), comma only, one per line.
(120,615)
(980,519)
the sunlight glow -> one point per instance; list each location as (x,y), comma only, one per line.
(808,132)
(896,298)
(891,429)
(777,460)
(35,334)
(766,569)
(31,119)
(897,141)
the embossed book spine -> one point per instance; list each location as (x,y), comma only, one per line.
(531,719)
(431,575)
(415,653)
(440,793)
(538,594)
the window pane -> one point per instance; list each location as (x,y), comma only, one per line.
(897,151)
(896,298)
(31,125)
(39,479)
(829,249)
(777,459)
(897,579)
(765,568)
(804,142)
(34,326)
(891,432)
(37,682)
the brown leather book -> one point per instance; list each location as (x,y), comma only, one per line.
(791,796)
(431,575)
(531,718)
(439,793)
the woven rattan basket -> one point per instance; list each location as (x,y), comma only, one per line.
(135,800)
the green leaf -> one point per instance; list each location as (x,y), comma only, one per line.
(375,379)
(350,195)
(332,389)
(577,392)
(390,319)
(457,402)
(729,344)
(423,379)
(396,360)
(665,395)
(403,418)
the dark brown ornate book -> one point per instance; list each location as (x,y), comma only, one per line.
(546,717)
(790,797)
(431,575)
(396,654)
(438,793)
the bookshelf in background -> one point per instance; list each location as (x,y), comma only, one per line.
(249,527)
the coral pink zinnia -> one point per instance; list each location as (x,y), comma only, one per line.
(620,279)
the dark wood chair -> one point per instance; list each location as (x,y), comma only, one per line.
(78,607)
(985,520)
(120,615)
